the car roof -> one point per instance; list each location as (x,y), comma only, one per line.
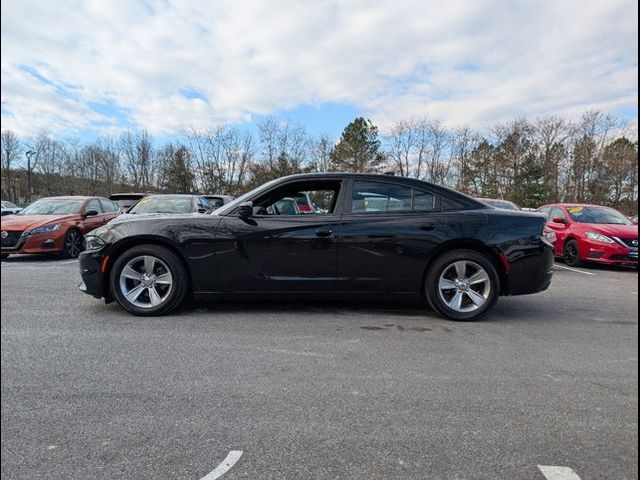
(570,204)
(69,197)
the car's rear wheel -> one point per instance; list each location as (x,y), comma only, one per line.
(462,285)
(572,254)
(73,244)
(149,280)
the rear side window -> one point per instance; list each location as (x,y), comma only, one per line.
(375,197)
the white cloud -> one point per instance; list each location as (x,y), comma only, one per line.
(461,61)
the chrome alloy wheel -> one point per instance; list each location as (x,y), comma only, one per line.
(464,286)
(146,281)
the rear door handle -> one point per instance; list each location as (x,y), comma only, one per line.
(324,232)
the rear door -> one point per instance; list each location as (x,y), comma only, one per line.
(385,236)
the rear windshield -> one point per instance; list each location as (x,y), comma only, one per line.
(601,215)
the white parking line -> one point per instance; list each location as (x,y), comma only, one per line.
(558,473)
(227,463)
(575,270)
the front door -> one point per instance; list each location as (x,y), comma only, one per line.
(288,244)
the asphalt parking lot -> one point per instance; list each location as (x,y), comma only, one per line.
(315,390)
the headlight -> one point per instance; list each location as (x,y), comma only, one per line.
(93,242)
(598,237)
(45,229)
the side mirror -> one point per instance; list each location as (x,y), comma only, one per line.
(245,210)
(560,220)
(203,210)
(91,213)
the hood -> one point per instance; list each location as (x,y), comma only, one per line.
(29,222)
(136,217)
(620,231)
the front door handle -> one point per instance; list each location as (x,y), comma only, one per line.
(324,232)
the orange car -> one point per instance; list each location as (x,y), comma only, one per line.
(55,224)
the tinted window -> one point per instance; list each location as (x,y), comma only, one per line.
(216,202)
(423,201)
(372,197)
(303,198)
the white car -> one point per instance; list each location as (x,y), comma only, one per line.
(9,208)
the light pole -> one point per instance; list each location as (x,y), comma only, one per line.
(29,154)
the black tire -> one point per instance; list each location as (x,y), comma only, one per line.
(73,244)
(176,292)
(572,254)
(443,265)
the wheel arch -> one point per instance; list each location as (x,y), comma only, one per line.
(469,244)
(123,245)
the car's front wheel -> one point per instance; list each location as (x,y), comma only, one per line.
(462,285)
(149,280)
(572,254)
(73,244)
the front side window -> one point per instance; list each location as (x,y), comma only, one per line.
(108,206)
(305,198)
(556,212)
(374,197)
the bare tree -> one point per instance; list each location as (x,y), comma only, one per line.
(11,150)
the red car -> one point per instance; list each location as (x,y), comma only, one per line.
(592,233)
(55,224)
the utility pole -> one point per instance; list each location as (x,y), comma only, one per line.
(29,154)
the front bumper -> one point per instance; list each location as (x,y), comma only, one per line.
(92,276)
(40,243)
(608,253)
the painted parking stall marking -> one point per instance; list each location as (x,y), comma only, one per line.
(229,461)
(558,473)
(574,270)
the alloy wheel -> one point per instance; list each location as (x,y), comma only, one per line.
(146,281)
(72,244)
(464,286)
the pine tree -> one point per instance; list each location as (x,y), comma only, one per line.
(358,149)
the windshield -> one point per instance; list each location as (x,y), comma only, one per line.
(163,204)
(9,205)
(597,215)
(53,207)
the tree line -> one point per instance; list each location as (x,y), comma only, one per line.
(530,162)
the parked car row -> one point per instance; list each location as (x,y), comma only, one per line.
(60,224)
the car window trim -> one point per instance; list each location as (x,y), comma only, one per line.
(338,209)
(437,208)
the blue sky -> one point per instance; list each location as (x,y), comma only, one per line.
(86,69)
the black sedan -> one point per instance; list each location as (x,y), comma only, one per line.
(368,234)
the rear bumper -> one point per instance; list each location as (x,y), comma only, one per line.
(92,278)
(531,273)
